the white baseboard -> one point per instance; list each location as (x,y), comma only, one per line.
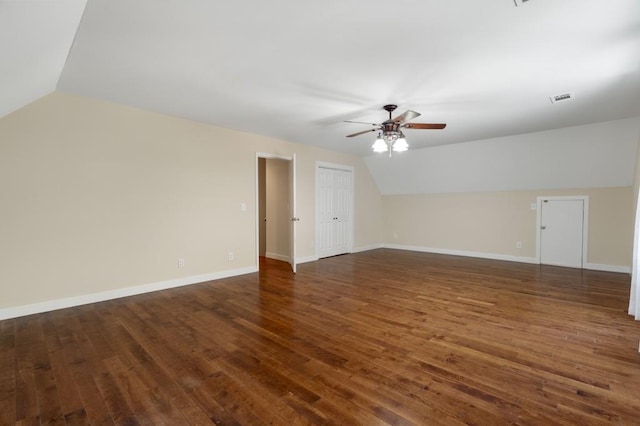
(277,256)
(299,260)
(366,248)
(608,268)
(52,305)
(492,256)
(508,258)
(306,259)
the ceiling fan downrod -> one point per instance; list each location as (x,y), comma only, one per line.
(390,108)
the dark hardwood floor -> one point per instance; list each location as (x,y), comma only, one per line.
(381,337)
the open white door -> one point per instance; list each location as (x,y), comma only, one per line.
(563,231)
(294,217)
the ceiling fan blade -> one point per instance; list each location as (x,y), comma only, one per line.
(433,126)
(362,133)
(361,122)
(406,116)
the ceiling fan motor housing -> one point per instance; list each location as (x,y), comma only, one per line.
(390,128)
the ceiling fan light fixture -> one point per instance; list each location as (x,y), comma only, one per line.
(380,145)
(401,145)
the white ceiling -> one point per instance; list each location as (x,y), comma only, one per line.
(296,70)
(35,38)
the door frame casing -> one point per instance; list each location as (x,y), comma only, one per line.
(269,156)
(585,223)
(350,232)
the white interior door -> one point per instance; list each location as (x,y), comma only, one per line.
(341,210)
(294,217)
(324,200)
(561,232)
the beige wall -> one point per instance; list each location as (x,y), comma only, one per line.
(492,222)
(98,197)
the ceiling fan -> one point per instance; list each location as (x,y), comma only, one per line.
(390,136)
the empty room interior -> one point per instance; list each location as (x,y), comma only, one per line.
(375,213)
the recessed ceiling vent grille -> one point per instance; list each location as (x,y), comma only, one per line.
(564,97)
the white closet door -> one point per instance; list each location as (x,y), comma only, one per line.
(341,210)
(334,200)
(324,198)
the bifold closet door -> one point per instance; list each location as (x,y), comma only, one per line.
(335,200)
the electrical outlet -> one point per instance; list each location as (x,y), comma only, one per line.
(518,244)
(181,263)
(230,255)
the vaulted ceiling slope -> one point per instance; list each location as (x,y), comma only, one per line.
(35,38)
(596,155)
(296,70)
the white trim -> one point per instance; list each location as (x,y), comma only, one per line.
(508,258)
(277,256)
(352,227)
(608,268)
(306,259)
(52,305)
(492,256)
(366,248)
(585,224)
(273,156)
(334,166)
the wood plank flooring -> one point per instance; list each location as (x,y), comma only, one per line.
(381,337)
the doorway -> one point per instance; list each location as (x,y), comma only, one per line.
(563,231)
(275,208)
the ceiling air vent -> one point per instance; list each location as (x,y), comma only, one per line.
(564,97)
